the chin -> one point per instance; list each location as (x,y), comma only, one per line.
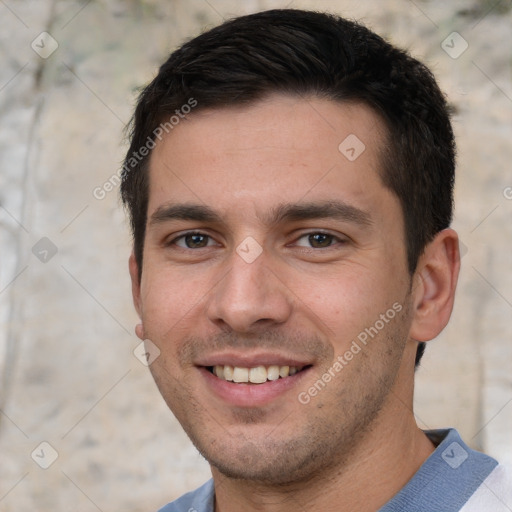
(266,461)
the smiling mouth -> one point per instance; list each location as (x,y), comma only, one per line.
(256,375)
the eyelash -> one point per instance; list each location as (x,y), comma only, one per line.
(174,241)
(334,239)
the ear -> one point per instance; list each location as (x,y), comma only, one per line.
(434,283)
(134,275)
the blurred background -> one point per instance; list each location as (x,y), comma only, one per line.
(82,425)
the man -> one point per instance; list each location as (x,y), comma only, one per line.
(289,184)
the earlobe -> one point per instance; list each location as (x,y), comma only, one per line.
(435,282)
(139,331)
(134,275)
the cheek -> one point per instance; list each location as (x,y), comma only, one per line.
(172,386)
(169,295)
(343,304)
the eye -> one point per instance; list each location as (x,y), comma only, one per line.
(193,241)
(317,240)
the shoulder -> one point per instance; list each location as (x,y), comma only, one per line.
(494,493)
(452,478)
(200,500)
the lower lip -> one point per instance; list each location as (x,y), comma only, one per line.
(250,395)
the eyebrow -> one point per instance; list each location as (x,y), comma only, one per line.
(327,209)
(285,212)
(195,212)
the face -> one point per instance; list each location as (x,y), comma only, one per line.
(275,284)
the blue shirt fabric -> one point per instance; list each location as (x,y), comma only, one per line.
(444,483)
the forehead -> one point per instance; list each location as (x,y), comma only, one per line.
(280,149)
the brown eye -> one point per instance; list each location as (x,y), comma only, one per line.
(193,241)
(320,240)
(196,240)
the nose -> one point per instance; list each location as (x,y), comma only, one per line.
(250,296)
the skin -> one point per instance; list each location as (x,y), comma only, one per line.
(357,436)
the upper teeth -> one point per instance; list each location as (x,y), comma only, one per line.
(256,375)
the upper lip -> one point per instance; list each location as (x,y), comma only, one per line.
(251,360)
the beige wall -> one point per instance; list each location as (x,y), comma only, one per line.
(68,376)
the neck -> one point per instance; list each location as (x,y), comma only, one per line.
(382,463)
